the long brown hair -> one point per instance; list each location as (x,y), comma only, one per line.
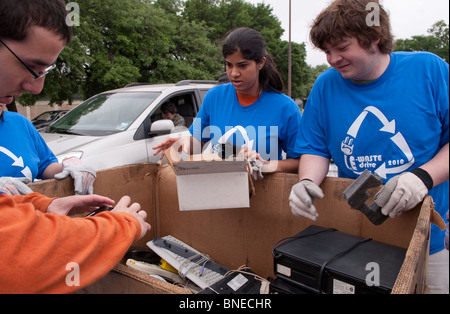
(253,46)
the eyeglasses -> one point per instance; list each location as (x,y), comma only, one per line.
(36,76)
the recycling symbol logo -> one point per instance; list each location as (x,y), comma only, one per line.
(17,162)
(224,138)
(389,127)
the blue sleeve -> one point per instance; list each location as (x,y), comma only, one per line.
(442,96)
(313,139)
(23,143)
(46,156)
(199,128)
(291,144)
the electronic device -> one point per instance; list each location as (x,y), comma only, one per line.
(228,149)
(323,260)
(141,255)
(356,196)
(235,283)
(190,263)
(152,269)
(280,286)
(99,210)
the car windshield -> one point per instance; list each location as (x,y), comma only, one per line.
(104,114)
(46,116)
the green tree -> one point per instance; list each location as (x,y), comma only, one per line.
(313,74)
(300,70)
(221,16)
(124,41)
(436,42)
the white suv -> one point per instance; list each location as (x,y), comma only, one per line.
(121,126)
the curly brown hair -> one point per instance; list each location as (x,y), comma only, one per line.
(349,18)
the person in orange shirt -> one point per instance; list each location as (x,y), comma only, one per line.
(41,247)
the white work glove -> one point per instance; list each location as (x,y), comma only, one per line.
(403,192)
(255,168)
(302,197)
(82,175)
(14,186)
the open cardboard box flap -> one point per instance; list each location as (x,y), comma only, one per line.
(245,236)
(206,181)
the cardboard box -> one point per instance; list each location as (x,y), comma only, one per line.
(208,182)
(245,236)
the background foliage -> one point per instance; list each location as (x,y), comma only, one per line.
(119,42)
(436,42)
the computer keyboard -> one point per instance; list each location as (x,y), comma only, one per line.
(190,263)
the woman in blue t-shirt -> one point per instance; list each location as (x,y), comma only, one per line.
(249,112)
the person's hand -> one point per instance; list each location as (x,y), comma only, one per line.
(302,197)
(255,167)
(14,186)
(77,204)
(182,143)
(82,175)
(401,193)
(254,161)
(134,209)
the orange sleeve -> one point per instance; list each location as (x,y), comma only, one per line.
(39,201)
(38,251)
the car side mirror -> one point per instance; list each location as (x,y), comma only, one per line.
(161,127)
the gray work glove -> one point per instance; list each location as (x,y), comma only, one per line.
(302,197)
(14,186)
(82,175)
(403,192)
(255,167)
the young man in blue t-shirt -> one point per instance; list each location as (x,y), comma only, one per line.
(381,111)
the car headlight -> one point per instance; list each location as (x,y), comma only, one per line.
(77,154)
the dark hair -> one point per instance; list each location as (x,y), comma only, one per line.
(348,18)
(17,16)
(253,47)
(169,107)
(223,79)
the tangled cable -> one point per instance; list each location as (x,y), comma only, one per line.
(188,264)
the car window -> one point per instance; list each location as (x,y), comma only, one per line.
(61,114)
(104,114)
(203,93)
(184,106)
(185,103)
(46,116)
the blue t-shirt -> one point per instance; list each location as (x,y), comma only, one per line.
(23,152)
(394,124)
(271,123)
